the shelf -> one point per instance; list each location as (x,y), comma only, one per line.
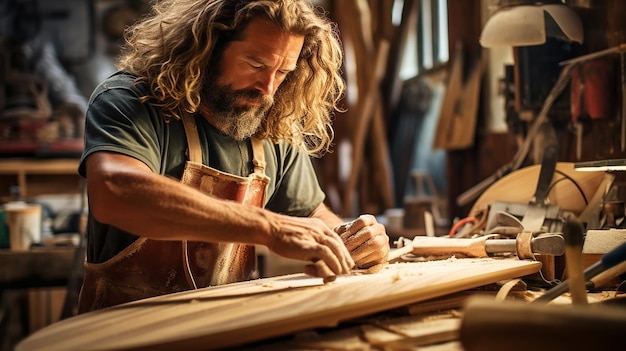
(39,176)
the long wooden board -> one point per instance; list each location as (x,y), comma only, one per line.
(236,314)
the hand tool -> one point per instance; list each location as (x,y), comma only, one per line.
(610,259)
(403,246)
(537,207)
(573,232)
(524,246)
(603,278)
(503,223)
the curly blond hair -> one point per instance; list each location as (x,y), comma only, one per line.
(171,47)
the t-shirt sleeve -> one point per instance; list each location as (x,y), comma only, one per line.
(117,121)
(297,191)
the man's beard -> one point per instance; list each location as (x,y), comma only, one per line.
(229,115)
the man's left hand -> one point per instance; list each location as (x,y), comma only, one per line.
(366,239)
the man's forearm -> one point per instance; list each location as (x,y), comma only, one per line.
(327,216)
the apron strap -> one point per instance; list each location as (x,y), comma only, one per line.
(258,155)
(193,141)
(195,150)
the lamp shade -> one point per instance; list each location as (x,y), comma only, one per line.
(526,25)
(601,165)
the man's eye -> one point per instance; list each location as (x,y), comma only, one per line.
(255,66)
(282,73)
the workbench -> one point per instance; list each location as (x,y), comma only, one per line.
(406,306)
(33,288)
(240,314)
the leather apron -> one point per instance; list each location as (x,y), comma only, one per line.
(150,268)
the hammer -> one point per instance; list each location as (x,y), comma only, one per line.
(524,246)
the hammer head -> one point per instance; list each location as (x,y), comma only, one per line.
(548,244)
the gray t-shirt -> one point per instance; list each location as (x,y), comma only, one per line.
(117,121)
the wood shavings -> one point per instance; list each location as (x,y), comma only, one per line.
(396,277)
(265,284)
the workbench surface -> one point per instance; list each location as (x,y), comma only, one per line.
(237,314)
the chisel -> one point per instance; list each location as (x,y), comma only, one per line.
(486,246)
(605,277)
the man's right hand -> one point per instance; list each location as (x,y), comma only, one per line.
(310,240)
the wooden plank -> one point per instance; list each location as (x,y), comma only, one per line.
(236,314)
(457,120)
(39,176)
(39,166)
(453,91)
(464,125)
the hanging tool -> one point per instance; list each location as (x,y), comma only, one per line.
(525,246)
(563,80)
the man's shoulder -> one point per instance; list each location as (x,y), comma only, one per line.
(121,81)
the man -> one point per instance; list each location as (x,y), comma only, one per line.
(199,148)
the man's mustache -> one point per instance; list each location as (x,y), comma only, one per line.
(253,95)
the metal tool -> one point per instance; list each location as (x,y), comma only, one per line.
(537,207)
(525,246)
(610,259)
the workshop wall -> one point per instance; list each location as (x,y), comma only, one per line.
(366,172)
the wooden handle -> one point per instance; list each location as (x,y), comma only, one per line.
(605,277)
(573,232)
(441,246)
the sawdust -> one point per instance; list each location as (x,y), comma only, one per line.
(396,277)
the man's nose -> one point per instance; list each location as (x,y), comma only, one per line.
(266,82)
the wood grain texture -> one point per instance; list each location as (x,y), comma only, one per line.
(236,314)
